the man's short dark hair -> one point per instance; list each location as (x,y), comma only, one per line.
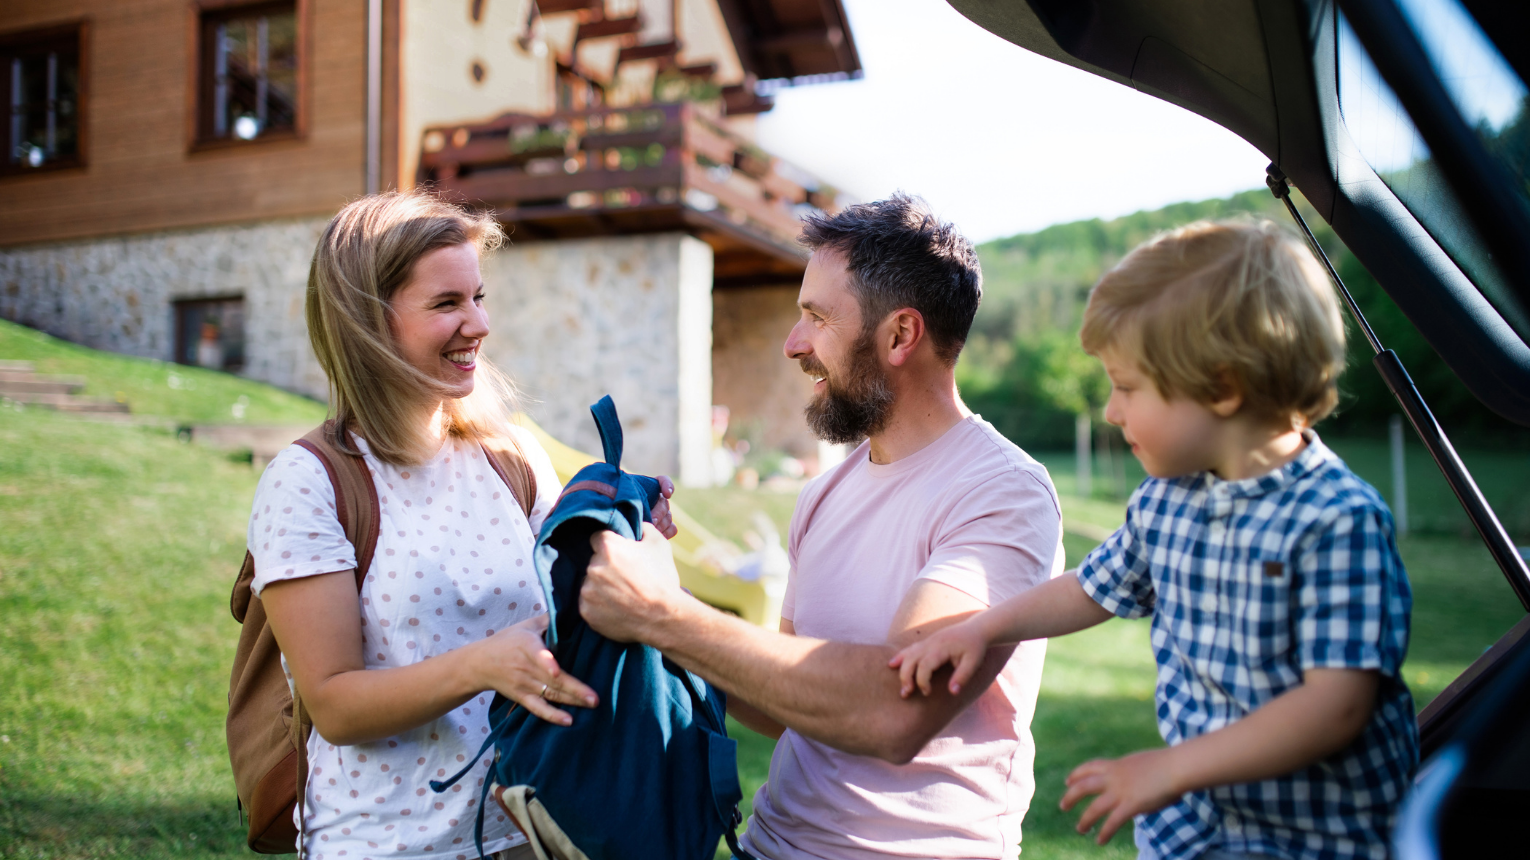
(901,256)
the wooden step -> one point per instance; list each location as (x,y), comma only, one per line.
(16,366)
(264,441)
(31,375)
(14,383)
(67,402)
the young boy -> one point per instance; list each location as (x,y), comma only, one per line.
(1279,606)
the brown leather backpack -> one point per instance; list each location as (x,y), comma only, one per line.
(266,745)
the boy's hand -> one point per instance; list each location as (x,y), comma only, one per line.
(660,515)
(1127,786)
(962,645)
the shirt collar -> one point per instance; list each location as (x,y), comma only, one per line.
(1222,493)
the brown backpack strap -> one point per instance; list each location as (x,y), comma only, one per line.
(267,725)
(355,494)
(504,453)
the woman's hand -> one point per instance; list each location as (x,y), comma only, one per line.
(516,663)
(660,515)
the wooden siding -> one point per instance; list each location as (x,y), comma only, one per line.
(141,173)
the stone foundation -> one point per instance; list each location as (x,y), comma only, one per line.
(763,389)
(117,293)
(629,316)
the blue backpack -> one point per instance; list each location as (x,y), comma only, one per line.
(650,772)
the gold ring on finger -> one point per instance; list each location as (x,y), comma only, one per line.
(543,694)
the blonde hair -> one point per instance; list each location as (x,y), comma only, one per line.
(366,255)
(1243,298)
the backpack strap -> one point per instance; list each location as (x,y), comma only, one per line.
(355,493)
(357,510)
(509,462)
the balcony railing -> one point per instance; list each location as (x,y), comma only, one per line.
(630,170)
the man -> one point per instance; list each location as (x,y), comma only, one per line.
(934,517)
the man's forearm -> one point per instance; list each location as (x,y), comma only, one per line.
(838,693)
(753,718)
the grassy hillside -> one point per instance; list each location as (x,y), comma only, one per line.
(1038,281)
(186,395)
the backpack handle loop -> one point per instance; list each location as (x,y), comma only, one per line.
(610,428)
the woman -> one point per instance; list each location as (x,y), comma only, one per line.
(398,683)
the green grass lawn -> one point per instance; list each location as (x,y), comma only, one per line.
(118,545)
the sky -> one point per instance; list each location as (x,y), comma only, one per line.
(999,140)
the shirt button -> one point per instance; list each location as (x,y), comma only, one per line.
(1217,528)
(1209,603)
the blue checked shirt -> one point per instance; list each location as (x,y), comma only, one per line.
(1250,583)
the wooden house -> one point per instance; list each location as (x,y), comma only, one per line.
(167,166)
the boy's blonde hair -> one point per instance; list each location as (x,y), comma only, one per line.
(366,255)
(1243,298)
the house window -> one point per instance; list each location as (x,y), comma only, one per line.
(210,333)
(40,78)
(247,86)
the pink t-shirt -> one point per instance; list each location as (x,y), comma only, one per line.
(973,512)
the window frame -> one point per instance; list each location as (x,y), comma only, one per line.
(56,33)
(181,342)
(199,92)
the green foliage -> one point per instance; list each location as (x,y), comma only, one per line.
(1034,282)
(1024,371)
(1031,387)
(187,395)
(673,85)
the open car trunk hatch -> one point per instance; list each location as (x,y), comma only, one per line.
(1269,71)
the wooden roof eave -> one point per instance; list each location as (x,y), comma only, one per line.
(792,38)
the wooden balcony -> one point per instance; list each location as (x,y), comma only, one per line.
(632,170)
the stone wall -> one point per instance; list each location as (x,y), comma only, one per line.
(117,293)
(763,390)
(629,316)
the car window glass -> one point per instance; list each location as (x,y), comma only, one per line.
(1484,89)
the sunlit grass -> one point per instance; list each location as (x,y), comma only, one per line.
(117,549)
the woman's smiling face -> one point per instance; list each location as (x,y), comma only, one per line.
(438,318)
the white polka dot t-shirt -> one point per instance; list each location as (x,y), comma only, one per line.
(452,566)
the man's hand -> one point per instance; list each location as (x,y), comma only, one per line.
(660,515)
(1131,785)
(629,585)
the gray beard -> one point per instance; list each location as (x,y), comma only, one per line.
(843,415)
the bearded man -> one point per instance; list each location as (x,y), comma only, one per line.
(934,516)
